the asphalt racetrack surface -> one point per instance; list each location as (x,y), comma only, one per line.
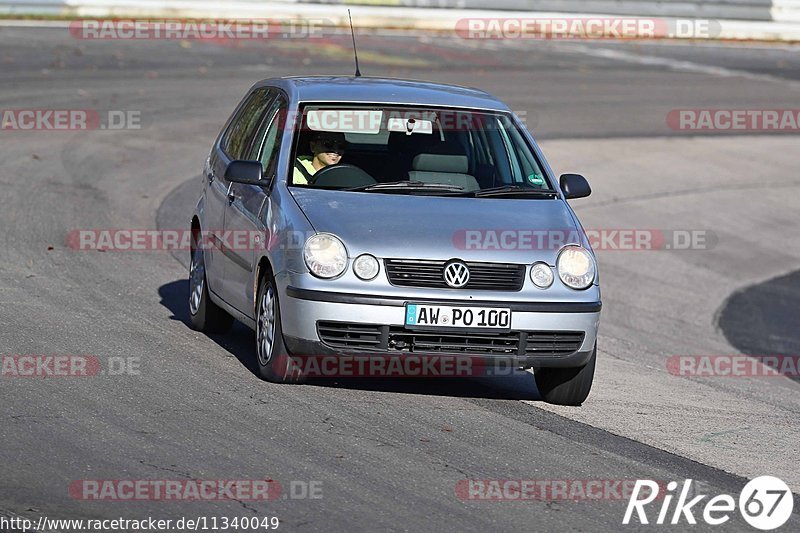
(393,454)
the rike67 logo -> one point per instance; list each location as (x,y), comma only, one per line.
(765,503)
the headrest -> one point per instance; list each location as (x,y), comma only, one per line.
(457,164)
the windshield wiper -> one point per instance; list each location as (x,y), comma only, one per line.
(407,186)
(516,190)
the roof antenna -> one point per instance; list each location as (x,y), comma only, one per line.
(355,51)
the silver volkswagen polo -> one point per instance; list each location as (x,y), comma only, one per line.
(392,218)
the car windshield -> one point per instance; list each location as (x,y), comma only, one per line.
(443,152)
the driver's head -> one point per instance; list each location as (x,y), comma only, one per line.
(328,147)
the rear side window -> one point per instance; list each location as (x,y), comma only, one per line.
(237,138)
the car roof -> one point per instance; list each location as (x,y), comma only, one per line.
(364,89)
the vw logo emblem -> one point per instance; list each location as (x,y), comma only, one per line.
(456,274)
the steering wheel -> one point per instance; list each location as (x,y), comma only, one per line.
(341,176)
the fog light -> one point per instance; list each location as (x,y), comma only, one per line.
(542,275)
(366,267)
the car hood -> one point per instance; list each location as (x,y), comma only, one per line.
(429,227)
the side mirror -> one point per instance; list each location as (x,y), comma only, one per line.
(247,172)
(574,186)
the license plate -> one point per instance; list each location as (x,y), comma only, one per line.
(444,316)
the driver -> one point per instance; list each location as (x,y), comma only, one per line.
(327,147)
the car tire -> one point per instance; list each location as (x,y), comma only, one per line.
(204,315)
(566,386)
(272,357)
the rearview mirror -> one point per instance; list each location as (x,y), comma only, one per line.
(247,172)
(574,186)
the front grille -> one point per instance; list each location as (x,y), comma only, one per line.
(374,337)
(403,339)
(430,274)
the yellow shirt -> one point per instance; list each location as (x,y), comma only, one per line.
(298,178)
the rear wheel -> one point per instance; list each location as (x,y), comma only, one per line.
(566,386)
(205,315)
(274,363)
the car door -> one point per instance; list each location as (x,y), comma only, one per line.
(243,212)
(234,145)
(216,198)
(242,215)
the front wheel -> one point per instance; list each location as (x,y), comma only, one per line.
(274,363)
(566,386)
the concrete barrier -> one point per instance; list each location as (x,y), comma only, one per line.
(786,10)
(718,9)
(758,10)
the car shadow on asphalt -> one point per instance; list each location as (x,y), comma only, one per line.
(240,344)
(238,341)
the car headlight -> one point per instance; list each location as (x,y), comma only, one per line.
(542,275)
(576,267)
(325,255)
(366,267)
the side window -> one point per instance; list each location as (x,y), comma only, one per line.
(237,139)
(267,141)
(500,150)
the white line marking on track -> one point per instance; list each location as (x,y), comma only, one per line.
(679,65)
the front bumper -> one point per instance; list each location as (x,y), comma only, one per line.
(303,309)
